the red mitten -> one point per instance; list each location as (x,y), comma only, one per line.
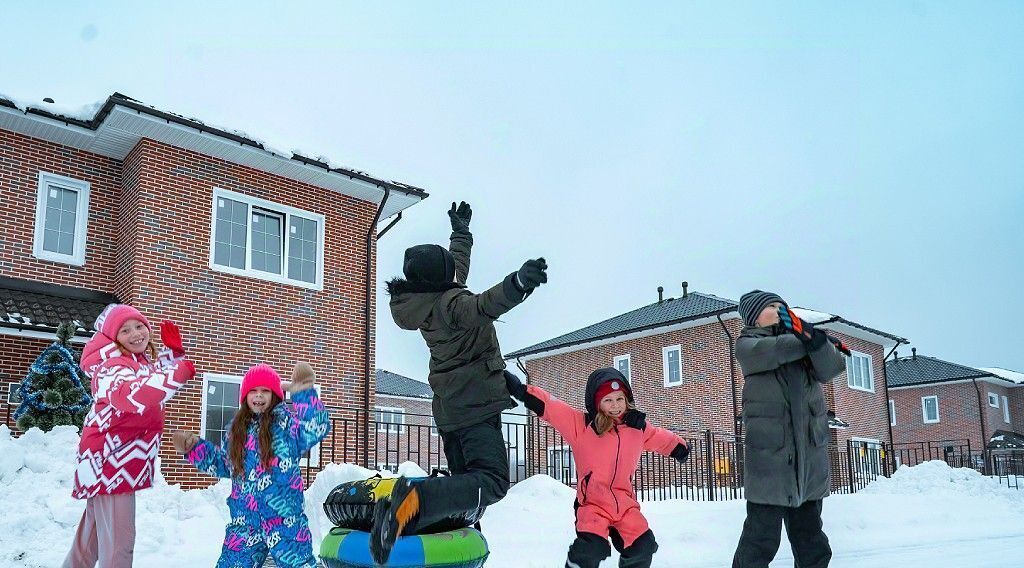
(185,371)
(171,337)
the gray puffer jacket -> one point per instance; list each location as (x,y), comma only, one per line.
(785,416)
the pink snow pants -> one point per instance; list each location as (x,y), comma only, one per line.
(106,533)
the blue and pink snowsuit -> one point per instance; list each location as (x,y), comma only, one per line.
(266,504)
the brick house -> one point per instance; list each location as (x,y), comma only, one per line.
(678,354)
(936,400)
(260,256)
(404,423)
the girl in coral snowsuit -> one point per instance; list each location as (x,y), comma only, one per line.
(606,442)
(261,456)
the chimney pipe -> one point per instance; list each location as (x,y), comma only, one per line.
(896,355)
(685,285)
(661,294)
(47,100)
(914,351)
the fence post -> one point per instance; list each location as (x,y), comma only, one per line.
(709,464)
(849,463)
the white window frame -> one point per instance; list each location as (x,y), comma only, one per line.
(565,457)
(1006,410)
(629,363)
(77,256)
(924,410)
(314,452)
(892,412)
(993,399)
(433,426)
(871,371)
(287,213)
(12,389)
(390,427)
(665,364)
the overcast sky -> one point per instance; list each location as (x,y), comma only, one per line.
(864,160)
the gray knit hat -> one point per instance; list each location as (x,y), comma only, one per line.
(753,302)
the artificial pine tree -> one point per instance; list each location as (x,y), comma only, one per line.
(53,393)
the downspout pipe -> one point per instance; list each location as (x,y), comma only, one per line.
(732,376)
(888,418)
(981,416)
(371,238)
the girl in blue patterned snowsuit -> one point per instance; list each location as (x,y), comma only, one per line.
(261,455)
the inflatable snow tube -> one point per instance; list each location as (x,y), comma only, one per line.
(461,548)
(350,505)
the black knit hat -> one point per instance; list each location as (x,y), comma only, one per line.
(753,302)
(428,264)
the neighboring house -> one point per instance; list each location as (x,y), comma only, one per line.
(260,256)
(405,424)
(678,355)
(936,400)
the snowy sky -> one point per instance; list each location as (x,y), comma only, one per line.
(864,162)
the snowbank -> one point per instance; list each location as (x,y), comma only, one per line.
(928,515)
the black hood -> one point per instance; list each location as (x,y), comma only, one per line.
(429,264)
(598,378)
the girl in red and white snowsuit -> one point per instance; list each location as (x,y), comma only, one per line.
(121,435)
(607,441)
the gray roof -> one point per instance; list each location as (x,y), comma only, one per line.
(921,370)
(1006,440)
(393,384)
(39,306)
(671,311)
(694,305)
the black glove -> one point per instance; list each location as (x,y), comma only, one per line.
(805,332)
(460,217)
(532,274)
(635,419)
(681,452)
(515,387)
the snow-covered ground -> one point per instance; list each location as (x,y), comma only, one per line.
(930,515)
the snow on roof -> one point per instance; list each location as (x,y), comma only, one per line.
(83,113)
(1006,374)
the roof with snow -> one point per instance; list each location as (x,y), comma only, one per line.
(1006,374)
(112,128)
(1006,440)
(393,384)
(672,311)
(27,305)
(921,370)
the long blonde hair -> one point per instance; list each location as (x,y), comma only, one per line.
(603,422)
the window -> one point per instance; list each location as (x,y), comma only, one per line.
(892,413)
(859,372)
(560,464)
(672,363)
(13,397)
(390,420)
(993,400)
(62,210)
(930,409)
(622,364)
(1006,410)
(433,426)
(220,403)
(257,238)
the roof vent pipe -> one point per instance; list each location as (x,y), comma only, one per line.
(685,286)
(913,350)
(661,294)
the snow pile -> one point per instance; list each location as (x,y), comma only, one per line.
(929,515)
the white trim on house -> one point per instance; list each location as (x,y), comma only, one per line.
(39,335)
(850,377)
(629,336)
(1006,410)
(629,366)
(666,368)
(991,380)
(565,458)
(124,127)
(207,377)
(47,183)
(892,412)
(12,389)
(388,426)
(400,397)
(924,410)
(993,399)
(287,213)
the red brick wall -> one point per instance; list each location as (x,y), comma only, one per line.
(21,160)
(415,443)
(16,355)
(704,400)
(958,414)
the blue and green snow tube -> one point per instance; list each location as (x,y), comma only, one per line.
(461,548)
